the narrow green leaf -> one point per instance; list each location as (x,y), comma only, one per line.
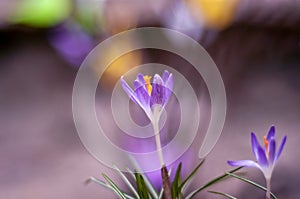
(192,174)
(131,173)
(222,194)
(213,181)
(102,183)
(150,187)
(97,181)
(114,186)
(126,181)
(176,182)
(141,187)
(161,193)
(251,182)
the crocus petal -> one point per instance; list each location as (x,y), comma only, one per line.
(169,82)
(165,76)
(158,95)
(143,97)
(272,150)
(248,163)
(168,88)
(140,81)
(129,91)
(280,148)
(271,133)
(168,93)
(137,84)
(255,145)
(140,96)
(157,80)
(262,158)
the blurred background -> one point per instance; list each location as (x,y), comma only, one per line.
(255,44)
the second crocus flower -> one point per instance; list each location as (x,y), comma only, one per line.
(266,156)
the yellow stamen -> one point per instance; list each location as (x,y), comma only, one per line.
(266,142)
(148,84)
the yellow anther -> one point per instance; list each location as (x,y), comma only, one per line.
(148,84)
(266,142)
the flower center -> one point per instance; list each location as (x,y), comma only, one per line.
(148,84)
(266,142)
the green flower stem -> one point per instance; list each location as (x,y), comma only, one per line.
(268,194)
(157,136)
(159,150)
(164,172)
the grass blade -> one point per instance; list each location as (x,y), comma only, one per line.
(102,183)
(192,174)
(131,173)
(97,181)
(161,193)
(126,181)
(151,188)
(141,187)
(251,182)
(210,183)
(222,194)
(114,186)
(175,185)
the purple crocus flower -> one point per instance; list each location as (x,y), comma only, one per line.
(151,97)
(266,156)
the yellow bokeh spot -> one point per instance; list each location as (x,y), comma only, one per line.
(215,13)
(118,65)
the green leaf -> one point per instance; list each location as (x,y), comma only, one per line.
(97,181)
(251,182)
(141,187)
(115,187)
(126,181)
(192,174)
(150,187)
(161,193)
(102,183)
(131,173)
(210,183)
(223,194)
(175,185)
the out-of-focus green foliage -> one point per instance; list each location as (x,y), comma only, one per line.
(41,13)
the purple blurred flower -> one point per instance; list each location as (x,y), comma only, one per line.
(151,97)
(266,157)
(72,42)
